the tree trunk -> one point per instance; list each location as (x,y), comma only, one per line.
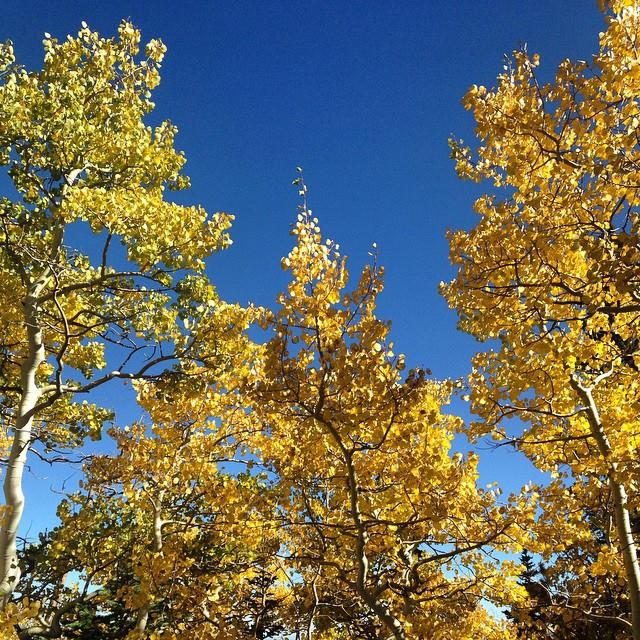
(382,611)
(142,618)
(628,549)
(13,493)
(626,542)
(370,598)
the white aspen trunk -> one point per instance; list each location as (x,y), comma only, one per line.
(626,542)
(628,550)
(30,395)
(142,618)
(13,493)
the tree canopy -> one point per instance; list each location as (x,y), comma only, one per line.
(291,476)
(550,273)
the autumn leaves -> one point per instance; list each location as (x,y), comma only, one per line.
(551,271)
(303,483)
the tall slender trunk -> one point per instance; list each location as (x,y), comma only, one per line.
(30,395)
(626,542)
(13,493)
(142,618)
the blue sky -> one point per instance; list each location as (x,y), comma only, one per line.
(364,96)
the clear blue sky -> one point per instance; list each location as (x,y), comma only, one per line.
(364,96)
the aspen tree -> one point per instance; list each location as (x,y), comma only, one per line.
(550,272)
(388,529)
(76,147)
